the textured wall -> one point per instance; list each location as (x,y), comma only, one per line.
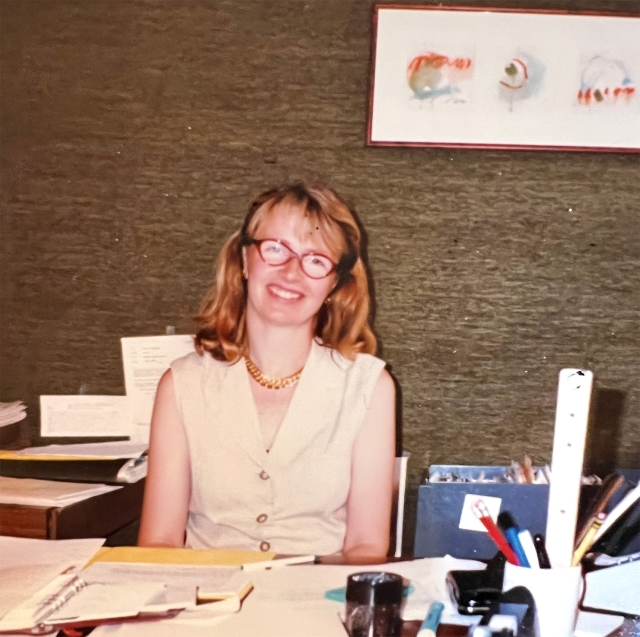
(134,134)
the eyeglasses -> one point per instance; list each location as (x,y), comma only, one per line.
(276,252)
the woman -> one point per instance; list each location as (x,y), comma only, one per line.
(279,433)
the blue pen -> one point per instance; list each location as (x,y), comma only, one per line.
(510,529)
(431,621)
(513,539)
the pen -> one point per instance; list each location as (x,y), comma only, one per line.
(541,550)
(277,563)
(508,526)
(431,621)
(587,541)
(482,513)
(529,548)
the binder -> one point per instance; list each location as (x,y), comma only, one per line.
(106,471)
(51,608)
(109,590)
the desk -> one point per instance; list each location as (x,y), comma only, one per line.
(98,516)
(288,602)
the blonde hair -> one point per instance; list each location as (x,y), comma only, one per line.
(342,323)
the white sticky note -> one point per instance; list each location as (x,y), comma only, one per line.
(468,519)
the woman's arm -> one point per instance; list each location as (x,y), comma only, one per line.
(369,504)
(168,487)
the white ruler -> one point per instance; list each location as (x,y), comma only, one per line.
(572,415)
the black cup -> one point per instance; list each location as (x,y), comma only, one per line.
(373,604)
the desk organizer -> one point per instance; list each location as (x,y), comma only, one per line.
(440,506)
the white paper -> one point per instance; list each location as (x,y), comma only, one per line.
(104,450)
(596,624)
(181,579)
(308,584)
(468,519)
(290,601)
(84,416)
(614,589)
(48,493)
(12,412)
(145,359)
(98,601)
(26,565)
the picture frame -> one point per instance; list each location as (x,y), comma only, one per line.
(471,77)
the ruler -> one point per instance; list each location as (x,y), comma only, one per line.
(572,415)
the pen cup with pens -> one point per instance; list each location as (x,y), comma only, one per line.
(555,591)
(373,604)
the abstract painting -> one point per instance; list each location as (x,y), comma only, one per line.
(501,78)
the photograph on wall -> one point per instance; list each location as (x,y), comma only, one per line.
(469,77)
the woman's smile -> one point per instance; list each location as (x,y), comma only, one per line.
(283,293)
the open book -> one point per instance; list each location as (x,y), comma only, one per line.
(110,591)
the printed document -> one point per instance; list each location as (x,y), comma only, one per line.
(145,359)
(84,416)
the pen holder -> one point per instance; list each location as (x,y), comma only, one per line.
(556,593)
(373,605)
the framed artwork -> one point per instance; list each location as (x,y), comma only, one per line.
(499,78)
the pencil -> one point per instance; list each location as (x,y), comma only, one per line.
(588,539)
(610,485)
(482,513)
(278,563)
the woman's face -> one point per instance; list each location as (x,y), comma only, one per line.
(283,295)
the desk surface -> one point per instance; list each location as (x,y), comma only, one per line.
(289,601)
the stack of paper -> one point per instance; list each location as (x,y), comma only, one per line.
(12,412)
(47,493)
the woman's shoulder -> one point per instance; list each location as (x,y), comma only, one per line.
(195,363)
(360,364)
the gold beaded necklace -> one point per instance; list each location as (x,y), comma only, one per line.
(267,381)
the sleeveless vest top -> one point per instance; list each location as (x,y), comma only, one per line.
(292,499)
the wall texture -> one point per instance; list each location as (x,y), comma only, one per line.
(135,133)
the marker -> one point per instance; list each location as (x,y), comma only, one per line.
(529,548)
(432,620)
(541,550)
(482,513)
(509,527)
(587,542)
(285,561)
